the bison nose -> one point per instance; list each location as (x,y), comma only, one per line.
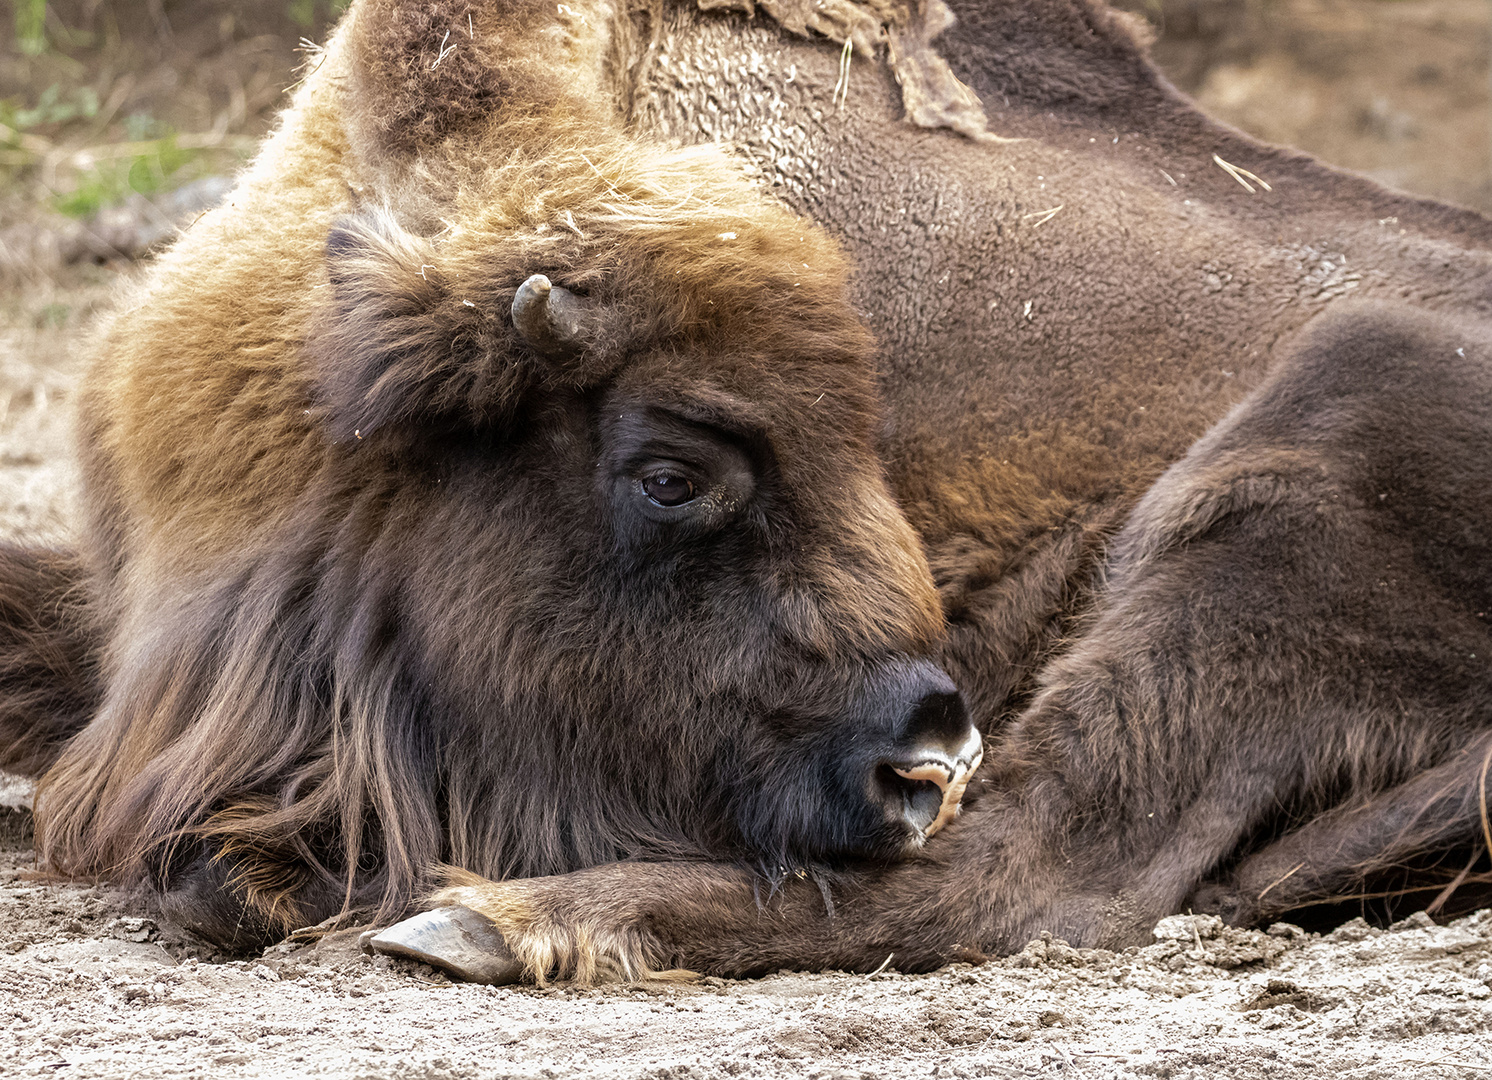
(935,753)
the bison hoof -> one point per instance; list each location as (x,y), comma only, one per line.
(455,939)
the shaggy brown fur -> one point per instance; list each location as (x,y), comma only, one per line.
(1292,632)
(48,682)
(1281,654)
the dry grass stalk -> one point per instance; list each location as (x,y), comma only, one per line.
(1042,216)
(1456,882)
(842,87)
(1286,876)
(1387,894)
(1243,176)
(1481,793)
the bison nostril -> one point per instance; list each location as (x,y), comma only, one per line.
(937,772)
(916,802)
(928,787)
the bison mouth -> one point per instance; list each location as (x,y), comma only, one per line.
(929,787)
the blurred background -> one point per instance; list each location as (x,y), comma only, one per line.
(1397,89)
(105,103)
(121,119)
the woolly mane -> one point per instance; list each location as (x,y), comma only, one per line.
(436,66)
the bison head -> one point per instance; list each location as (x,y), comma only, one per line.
(613,513)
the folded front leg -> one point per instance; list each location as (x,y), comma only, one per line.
(1336,855)
(639,920)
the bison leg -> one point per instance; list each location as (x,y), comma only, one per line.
(990,881)
(640,920)
(48,682)
(1338,852)
(590,925)
(1293,620)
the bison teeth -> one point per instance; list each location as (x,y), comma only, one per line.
(455,939)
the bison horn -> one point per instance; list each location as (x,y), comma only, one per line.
(553,320)
(454,939)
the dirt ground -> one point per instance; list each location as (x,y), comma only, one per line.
(92,984)
(1397,89)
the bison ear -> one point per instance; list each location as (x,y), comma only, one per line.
(397,345)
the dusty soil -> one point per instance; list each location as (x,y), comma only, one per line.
(93,984)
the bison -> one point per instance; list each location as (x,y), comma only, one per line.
(501,480)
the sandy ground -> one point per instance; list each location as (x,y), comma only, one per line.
(1397,90)
(44,323)
(93,984)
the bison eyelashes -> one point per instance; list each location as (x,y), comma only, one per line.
(668,489)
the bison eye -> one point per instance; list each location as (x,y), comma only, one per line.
(668,489)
